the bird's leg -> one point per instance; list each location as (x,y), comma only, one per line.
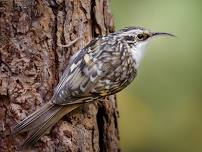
(70,43)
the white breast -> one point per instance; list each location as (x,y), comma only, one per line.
(138,53)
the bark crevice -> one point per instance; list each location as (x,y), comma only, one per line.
(100,123)
(54,6)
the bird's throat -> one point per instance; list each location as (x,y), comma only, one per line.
(138,53)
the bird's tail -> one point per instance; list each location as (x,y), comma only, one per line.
(41,120)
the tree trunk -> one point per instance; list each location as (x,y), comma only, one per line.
(31,62)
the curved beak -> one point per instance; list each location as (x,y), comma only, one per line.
(161,34)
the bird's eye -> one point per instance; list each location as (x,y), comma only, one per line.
(142,36)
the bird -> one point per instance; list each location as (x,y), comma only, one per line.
(105,66)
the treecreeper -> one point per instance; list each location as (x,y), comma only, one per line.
(104,67)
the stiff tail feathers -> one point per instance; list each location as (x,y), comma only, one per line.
(41,120)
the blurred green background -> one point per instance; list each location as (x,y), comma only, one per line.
(162,110)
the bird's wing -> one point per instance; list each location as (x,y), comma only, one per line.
(90,65)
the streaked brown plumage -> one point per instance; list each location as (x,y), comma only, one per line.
(105,66)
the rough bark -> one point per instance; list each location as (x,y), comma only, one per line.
(31,62)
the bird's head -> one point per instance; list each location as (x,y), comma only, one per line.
(136,38)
